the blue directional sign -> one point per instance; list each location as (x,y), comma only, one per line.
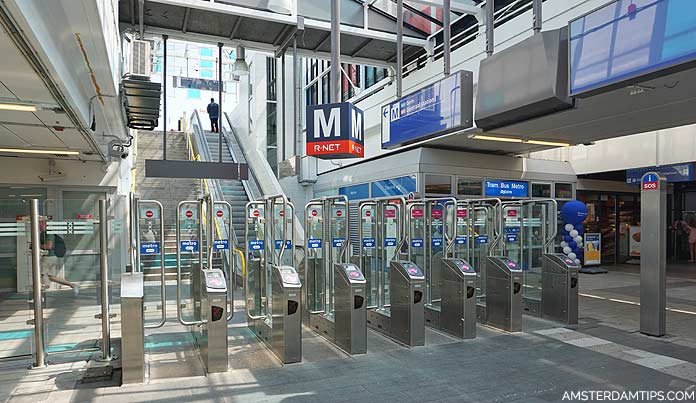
(482,239)
(189,246)
(279,243)
(256,244)
(512,230)
(673,173)
(314,243)
(338,242)
(417,243)
(150,248)
(437,242)
(368,243)
(220,244)
(495,188)
(460,240)
(389,241)
(510,237)
(436,109)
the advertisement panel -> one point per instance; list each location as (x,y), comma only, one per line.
(593,248)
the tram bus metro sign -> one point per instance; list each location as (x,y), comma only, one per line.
(335,131)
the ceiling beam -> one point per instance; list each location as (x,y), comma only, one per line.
(133,11)
(235,26)
(460,6)
(322,42)
(187,15)
(281,35)
(361,47)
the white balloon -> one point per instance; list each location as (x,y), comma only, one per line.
(574,233)
(578,240)
(577,262)
(564,244)
(569,227)
(572,256)
(567,250)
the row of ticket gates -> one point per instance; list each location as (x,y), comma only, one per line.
(443,263)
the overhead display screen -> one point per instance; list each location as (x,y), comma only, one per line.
(628,39)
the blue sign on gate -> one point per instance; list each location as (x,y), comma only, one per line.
(510,237)
(314,243)
(437,242)
(279,243)
(460,240)
(220,244)
(434,110)
(189,246)
(338,242)
(150,248)
(256,244)
(482,239)
(417,243)
(389,241)
(368,243)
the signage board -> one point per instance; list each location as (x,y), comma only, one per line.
(650,181)
(355,192)
(338,242)
(389,241)
(189,246)
(368,243)
(630,41)
(673,173)
(460,240)
(256,244)
(510,237)
(221,244)
(335,131)
(314,243)
(498,188)
(150,248)
(279,243)
(436,109)
(482,239)
(436,242)
(417,243)
(593,248)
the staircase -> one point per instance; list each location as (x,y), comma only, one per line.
(232,190)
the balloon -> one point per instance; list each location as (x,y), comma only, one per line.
(569,227)
(572,256)
(567,238)
(574,212)
(564,244)
(572,245)
(574,233)
(580,228)
(578,240)
(577,262)
(567,250)
(577,251)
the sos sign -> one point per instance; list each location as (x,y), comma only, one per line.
(650,181)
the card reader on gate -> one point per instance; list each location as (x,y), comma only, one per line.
(215,280)
(289,276)
(462,265)
(509,263)
(411,269)
(352,272)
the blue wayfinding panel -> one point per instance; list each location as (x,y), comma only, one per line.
(673,173)
(436,109)
(496,188)
(279,243)
(314,243)
(220,244)
(510,237)
(189,246)
(256,244)
(627,40)
(150,248)
(368,243)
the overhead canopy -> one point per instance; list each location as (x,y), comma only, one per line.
(367,27)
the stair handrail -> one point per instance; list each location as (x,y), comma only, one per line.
(251,185)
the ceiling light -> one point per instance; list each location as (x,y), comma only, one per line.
(496,138)
(240,68)
(18,107)
(548,143)
(33,151)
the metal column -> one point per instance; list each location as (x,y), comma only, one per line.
(536,12)
(104,279)
(335,51)
(40,347)
(399,47)
(490,22)
(446,36)
(219,102)
(164,99)
(653,257)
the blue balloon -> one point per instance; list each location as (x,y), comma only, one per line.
(574,212)
(580,228)
(577,251)
(573,245)
(567,238)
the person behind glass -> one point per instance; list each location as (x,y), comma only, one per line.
(214,114)
(691,230)
(52,248)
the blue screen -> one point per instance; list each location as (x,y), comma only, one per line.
(394,187)
(629,38)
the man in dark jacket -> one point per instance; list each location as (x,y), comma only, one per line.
(214,114)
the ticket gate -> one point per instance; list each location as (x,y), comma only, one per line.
(458,308)
(559,278)
(272,286)
(335,289)
(396,288)
(529,231)
(212,341)
(431,241)
(504,294)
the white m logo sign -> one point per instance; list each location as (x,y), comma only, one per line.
(357,126)
(325,128)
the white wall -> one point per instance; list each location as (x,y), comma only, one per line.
(26,171)
(662,147)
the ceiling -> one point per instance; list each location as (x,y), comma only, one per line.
(48,128)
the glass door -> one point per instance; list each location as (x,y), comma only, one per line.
(367,232)
(314,260)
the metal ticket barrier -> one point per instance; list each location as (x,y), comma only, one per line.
(149,254)
(529,231)
(132,328)
(334,288)
(559,292)
(504,294)
(396,288)
(206,309)
(458,309)
(272,286)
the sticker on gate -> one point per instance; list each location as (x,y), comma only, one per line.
(279,243)
(510,237)
(256,244)
(461,213)
(220,244)
(314,243)
(417,243)
(389,241)
(255,212)
(389,213)
(338,242)
(150,248)
(482,239)
(437,242)
(436,213)
(416,213)
(368,242)
(189,246)
(460,240)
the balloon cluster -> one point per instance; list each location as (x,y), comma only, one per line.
(574,214)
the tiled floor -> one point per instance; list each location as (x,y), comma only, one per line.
(603,352)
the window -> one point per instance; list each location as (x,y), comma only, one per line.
(564,190)
(206,52)
(394,187)
(469,187)
(206,73)
(206,64)
(438,184)
(355,192)
(541,190)
(193,94)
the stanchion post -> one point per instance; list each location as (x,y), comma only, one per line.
(40,347)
